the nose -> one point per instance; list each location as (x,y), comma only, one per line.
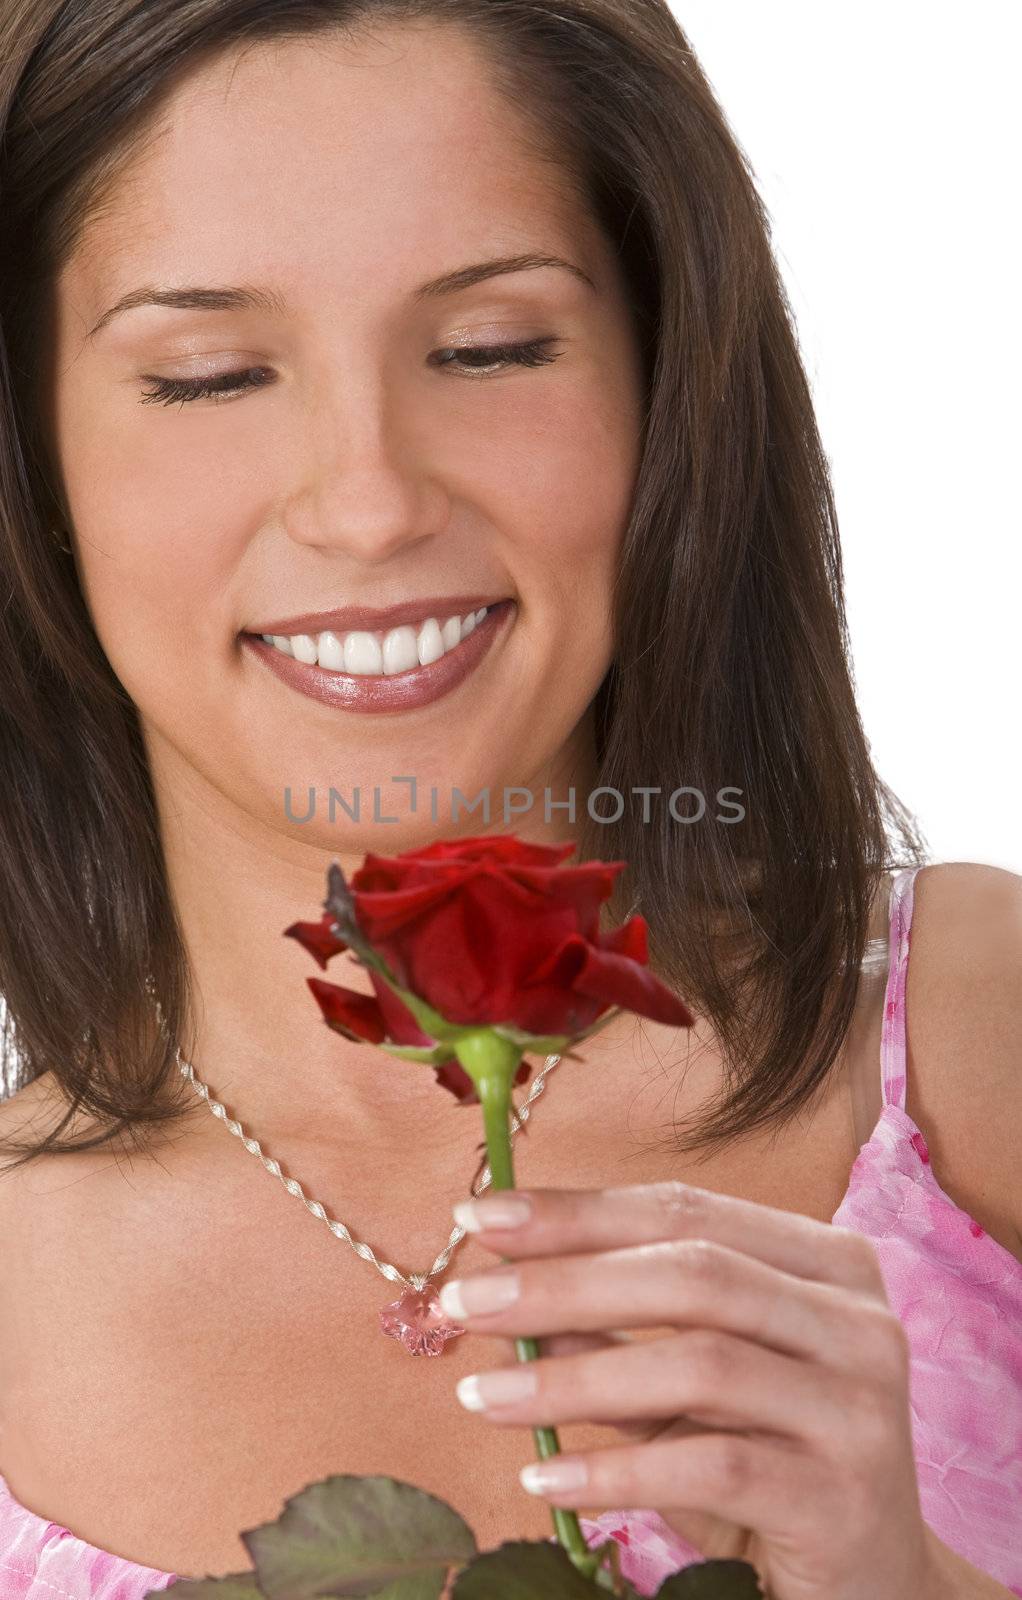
(368,489)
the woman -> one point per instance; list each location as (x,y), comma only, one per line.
(407,392)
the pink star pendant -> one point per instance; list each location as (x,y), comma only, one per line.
(409,1319)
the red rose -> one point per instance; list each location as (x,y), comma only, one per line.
(488,930)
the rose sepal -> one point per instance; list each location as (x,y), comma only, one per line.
(430,1021)
(437,1057)
(552,1043)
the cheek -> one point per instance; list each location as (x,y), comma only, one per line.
(160,525)
(566,447)
(571,479)
(157,589)
(152,583)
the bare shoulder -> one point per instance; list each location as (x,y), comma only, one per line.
(25,1117)
(964,1033)
(34,1195)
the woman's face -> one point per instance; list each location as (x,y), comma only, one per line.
(370,460)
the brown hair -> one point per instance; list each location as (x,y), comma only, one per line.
(732,670)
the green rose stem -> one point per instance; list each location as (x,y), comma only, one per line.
(491,1062)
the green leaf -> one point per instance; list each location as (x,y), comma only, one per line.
(420,1586)
(232,1586)
(712,1580)
(523,1570)
(347,1535)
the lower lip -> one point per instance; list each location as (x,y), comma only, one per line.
(405,691)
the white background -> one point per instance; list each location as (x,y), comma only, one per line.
(885,143)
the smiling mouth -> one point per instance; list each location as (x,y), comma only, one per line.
(377,653)
(408,689)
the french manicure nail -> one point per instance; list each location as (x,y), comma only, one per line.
(469,1297)
(502,1388)
(555,1476)
(496,1211)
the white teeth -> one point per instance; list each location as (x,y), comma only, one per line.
(400,650)
(431,644)
(331,651)
(303,647)
(365,654)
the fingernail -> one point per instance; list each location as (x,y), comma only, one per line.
(497,1211)
(555,1476)
(468,1297)
(503,1388)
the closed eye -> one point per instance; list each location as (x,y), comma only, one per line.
(225,385)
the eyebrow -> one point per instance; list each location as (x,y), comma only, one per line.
(244,298)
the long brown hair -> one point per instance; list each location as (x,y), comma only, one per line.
(732,664)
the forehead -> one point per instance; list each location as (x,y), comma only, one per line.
(370,149)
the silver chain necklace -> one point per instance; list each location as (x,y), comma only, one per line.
(409,1318)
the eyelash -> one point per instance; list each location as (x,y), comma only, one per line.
(172,391)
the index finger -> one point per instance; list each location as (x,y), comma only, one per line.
(573,1221)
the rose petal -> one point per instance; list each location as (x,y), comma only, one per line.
(612,979)
(499,847)
(317,938)
(351,1013)
(401,1026)
(631,940)
(383,911)
(452,1076)
(622,982)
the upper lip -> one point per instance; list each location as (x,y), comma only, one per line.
(371,618)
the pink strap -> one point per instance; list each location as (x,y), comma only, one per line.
(893,1070)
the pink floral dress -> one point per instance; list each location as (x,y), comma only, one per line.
(957,1291)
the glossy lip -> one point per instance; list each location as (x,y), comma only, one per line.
(405,691)
(346,619)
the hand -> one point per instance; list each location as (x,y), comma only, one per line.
(772,1420)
